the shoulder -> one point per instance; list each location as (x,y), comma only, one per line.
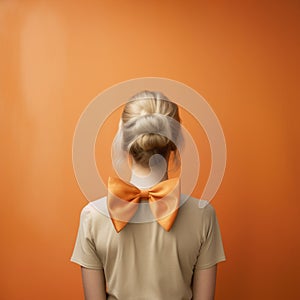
(197,206)
(96,217)
(94,210)
(195,211)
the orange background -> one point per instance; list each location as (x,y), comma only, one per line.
(242,56)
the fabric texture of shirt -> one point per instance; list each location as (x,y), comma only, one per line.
(145,262)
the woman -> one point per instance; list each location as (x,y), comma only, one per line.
(126,255)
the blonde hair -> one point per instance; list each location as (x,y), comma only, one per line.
(146,126)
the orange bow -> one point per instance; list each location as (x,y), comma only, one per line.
(123,201)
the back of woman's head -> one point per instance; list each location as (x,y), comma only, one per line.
(148,126)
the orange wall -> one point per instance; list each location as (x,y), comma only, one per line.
(56,56)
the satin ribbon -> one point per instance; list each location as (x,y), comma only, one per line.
(123,201)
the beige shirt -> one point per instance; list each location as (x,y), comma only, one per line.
(145,262)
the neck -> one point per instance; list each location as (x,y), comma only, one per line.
(147,177)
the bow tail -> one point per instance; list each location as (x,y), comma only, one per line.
(119,225)
(165,210)
(121,211)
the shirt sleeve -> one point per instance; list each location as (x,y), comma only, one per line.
(84,252)
(211,249)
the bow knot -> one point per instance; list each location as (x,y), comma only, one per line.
(123,199)
(144,194)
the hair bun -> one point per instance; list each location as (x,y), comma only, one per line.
(150,141)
